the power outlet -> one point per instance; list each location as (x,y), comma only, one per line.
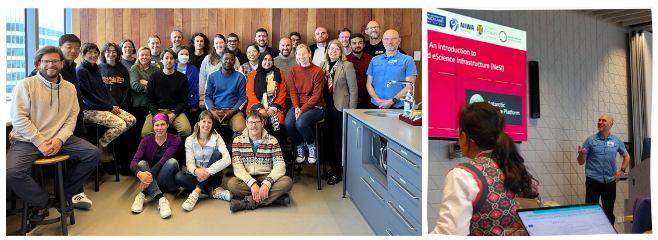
(620,219)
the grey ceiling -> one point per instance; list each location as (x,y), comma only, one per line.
(635,19)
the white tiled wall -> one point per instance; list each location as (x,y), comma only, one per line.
(582,67)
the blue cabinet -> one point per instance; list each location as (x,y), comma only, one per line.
(390,200)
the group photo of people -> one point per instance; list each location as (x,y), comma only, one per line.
(189,113)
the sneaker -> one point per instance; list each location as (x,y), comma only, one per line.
(81,201)
(244,204)
(163,205)
(68,207)
(138,205)
(301,153)
(222,194)
(189,204)
(282,200)
(39,215)
(106,156)
(312,154)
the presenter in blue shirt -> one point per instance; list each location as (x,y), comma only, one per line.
(390,66)
(600,152)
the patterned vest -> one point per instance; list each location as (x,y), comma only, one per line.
(494,208)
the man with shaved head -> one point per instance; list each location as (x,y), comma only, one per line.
(320,47)
(375,46)
(392,65)
(600,153)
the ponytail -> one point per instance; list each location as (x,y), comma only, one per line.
(484,125)
(510,162)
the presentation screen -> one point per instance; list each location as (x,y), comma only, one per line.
(472,60)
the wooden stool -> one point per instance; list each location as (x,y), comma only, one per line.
(59,189)
(320,149)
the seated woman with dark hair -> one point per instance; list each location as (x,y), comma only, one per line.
(100,106)
(206,156)
(478,195)
(266,93)
(155,166)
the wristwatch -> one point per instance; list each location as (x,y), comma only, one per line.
(395,100)
(623,170)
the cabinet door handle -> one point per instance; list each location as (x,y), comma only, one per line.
(372,189)
(388,231)
(403,188)
(403,158)
(401,217)
(358,136)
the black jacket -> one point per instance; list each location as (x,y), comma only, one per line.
(117,81)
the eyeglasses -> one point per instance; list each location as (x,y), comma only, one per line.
(233,41)
(254,123)
(54,61)
(370,28)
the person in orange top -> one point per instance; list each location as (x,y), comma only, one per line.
(306,83)
(266,93)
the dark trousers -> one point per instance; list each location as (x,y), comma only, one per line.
(332,138)
(607,192)
(189,182)
(22,155)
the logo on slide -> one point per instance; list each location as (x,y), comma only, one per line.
(475,98)
(480,27)
(502,36)
(454,24)
(436,19)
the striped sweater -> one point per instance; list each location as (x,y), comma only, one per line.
(268,159)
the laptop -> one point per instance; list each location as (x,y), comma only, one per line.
(584,219)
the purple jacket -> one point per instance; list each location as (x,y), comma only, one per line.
(146,151)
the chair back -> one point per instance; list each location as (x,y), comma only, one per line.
(641,215)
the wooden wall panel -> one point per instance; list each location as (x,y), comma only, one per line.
(75,21)
(103,25)
(143,28)
(303,22)
(275,34)
(169,27)
(109,27)
(135,35)
(93,20)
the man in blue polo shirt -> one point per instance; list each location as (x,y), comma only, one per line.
(600,152)
(387,67)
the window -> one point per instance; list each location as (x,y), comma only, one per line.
(16,57)
(21,47)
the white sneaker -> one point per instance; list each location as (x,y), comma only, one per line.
(165,210)
(312,154)
(81,201)
(138,204)
(189,204)
(301,153)
(222,194)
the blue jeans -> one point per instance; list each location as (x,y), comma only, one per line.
(188,181)
(164,180)
(298,128)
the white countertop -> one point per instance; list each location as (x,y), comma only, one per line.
(410,137)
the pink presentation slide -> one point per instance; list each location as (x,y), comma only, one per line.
(464,69)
